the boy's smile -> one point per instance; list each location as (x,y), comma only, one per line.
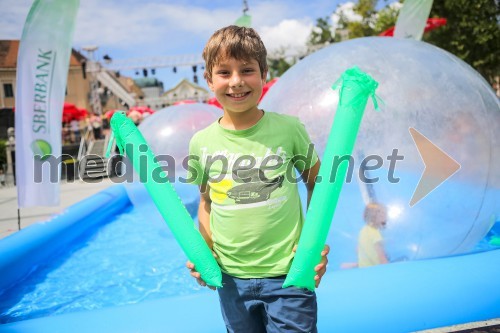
(237,85)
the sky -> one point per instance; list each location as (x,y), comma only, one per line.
(129,29)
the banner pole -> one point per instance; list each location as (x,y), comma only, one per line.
(18,218)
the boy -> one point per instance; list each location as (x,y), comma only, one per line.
(250,213)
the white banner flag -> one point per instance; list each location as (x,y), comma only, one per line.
(412,19)
(42,71)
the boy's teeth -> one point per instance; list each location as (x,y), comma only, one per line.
(238,95)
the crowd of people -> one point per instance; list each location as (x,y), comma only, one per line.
(75,129)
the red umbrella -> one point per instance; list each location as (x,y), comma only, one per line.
(70,112)
(431,24)
(82,113)
(142,109)
(135,115)
(186,101)
(267,86)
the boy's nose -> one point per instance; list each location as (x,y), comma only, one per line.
(236,81)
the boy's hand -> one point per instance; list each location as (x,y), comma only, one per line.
(194,273)
(320,268)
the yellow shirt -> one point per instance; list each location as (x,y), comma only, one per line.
(369,237)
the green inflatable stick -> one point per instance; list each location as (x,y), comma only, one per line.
(131,142)
(495,241)
(356,88)
(244,21)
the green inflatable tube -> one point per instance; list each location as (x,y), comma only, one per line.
(356,88)
(131,142)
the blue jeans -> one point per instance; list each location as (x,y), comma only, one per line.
(261,305)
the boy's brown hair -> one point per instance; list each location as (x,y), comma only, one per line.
(234,42)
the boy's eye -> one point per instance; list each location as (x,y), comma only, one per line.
(248,70)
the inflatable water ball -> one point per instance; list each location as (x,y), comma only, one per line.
(132,143)
(169,130)
(424,88)
(356,88)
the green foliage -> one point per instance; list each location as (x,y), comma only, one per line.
(472,33)
(386,18)
(370,23)
(365,8)
(321,33)
(279,63)
(278,66)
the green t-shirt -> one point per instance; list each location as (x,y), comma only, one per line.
(256,215)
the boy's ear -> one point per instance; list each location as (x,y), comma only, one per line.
(210,84)
(209,81)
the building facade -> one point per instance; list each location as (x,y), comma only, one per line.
(186,90)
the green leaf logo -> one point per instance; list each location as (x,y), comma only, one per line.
(41,148)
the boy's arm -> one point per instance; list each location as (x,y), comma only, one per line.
(204,210)
(309,178)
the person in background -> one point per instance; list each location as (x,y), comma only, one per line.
(370,241)
(96,123)
(2,178)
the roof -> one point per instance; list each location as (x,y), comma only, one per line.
(186,82)
(10,48)
(130,85)
(8,53)
(145,82)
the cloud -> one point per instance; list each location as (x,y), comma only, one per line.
(138,24)
(346,11)
(12,17)
(130,29)
(288,37)
(174,27)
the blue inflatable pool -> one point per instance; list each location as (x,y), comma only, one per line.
(400,297)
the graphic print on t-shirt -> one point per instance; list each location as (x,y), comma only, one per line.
(240,181)
(254,186)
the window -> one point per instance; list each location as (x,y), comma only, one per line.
(8,90)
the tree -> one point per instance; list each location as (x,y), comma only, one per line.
(472,33)
(387,17)
(278,66)
(321,33)
(278,63)
(350,20)
(353,20)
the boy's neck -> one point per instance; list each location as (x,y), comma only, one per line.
(241,120)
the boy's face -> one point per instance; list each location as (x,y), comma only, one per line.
(237,84)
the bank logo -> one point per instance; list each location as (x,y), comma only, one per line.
(41,148)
